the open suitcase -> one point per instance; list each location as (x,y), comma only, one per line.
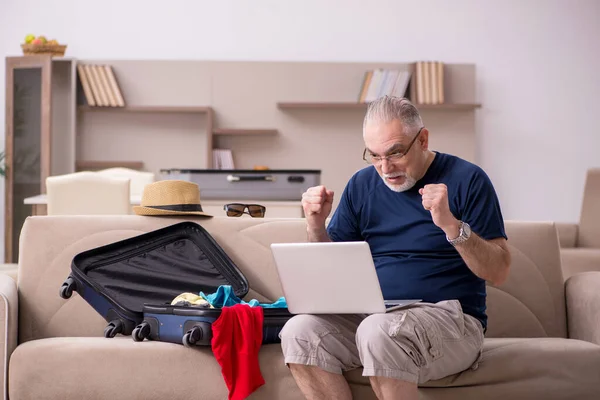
(150,270)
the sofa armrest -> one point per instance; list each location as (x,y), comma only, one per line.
(567,234)
(9,320)
(583,306)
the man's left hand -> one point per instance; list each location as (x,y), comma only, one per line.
(435,199)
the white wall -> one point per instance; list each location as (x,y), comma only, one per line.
(537,60)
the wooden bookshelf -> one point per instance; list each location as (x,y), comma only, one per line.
(363,106)
(238,131)
(448,107)
(83,165)
(150,109)
(182,120)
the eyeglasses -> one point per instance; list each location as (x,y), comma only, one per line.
(237,210)
(391,158)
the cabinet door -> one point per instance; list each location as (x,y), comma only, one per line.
(28,121)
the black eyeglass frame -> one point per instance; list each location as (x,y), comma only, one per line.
(394,157)
(245,210)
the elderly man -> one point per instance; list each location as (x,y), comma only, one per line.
(435,228)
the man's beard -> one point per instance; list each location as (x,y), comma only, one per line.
(408,183)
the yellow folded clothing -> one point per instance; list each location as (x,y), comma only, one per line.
(192,299)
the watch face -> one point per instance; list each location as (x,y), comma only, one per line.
(464,234)
(466,230)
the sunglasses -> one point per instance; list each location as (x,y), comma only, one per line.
(237,209)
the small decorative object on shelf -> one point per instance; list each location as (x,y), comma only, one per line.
(223,159)
(38,45)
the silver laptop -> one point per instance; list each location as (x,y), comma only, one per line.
(331,278)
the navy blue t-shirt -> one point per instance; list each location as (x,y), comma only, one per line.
(411,254)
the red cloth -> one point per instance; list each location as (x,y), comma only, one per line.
(237,336)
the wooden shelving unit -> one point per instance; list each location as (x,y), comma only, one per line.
(164,111)
(207,110)
(150,109)
(318,105)
(448,107)
(363,106)
(238,131)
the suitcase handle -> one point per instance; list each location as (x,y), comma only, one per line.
(237,178)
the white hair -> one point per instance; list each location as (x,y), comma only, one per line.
(388,108)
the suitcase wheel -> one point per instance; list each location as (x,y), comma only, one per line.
(113,327)
(66,289)
(141,332)
(192,336)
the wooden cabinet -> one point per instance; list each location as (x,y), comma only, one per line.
(40,139)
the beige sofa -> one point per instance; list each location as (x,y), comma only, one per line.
(580,242)
(61,353)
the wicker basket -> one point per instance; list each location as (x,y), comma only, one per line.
(40,49)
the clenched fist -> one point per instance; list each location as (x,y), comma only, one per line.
(435,199)
(317,202)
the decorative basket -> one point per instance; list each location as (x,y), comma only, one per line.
(40,49)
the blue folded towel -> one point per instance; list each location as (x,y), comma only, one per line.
(224,297)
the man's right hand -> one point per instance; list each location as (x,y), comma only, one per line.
(317,202)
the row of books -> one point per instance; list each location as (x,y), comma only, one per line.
(383,82)
(222,159)
(429,86)
(100,86)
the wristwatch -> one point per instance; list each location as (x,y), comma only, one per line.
(463,235)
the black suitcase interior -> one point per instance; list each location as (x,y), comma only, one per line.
(119,279)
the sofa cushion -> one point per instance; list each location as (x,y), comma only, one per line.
(531,303)
(99,368)
(119,368)
(532,298)
(577,260)
(589,228)
(548,368)
(567,234)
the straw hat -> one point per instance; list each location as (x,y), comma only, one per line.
(170,197)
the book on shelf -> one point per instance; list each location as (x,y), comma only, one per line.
(429,82)
(86,85)
(112,80)
(223,159)
(110,96)
(100,86)
(93,86)
(383,82)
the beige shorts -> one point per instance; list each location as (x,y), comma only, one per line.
(416,344)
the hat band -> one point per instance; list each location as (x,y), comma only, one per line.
(179,207)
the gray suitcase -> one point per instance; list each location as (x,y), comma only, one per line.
(248,184)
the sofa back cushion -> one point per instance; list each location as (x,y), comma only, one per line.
(589,220)
(530,304)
